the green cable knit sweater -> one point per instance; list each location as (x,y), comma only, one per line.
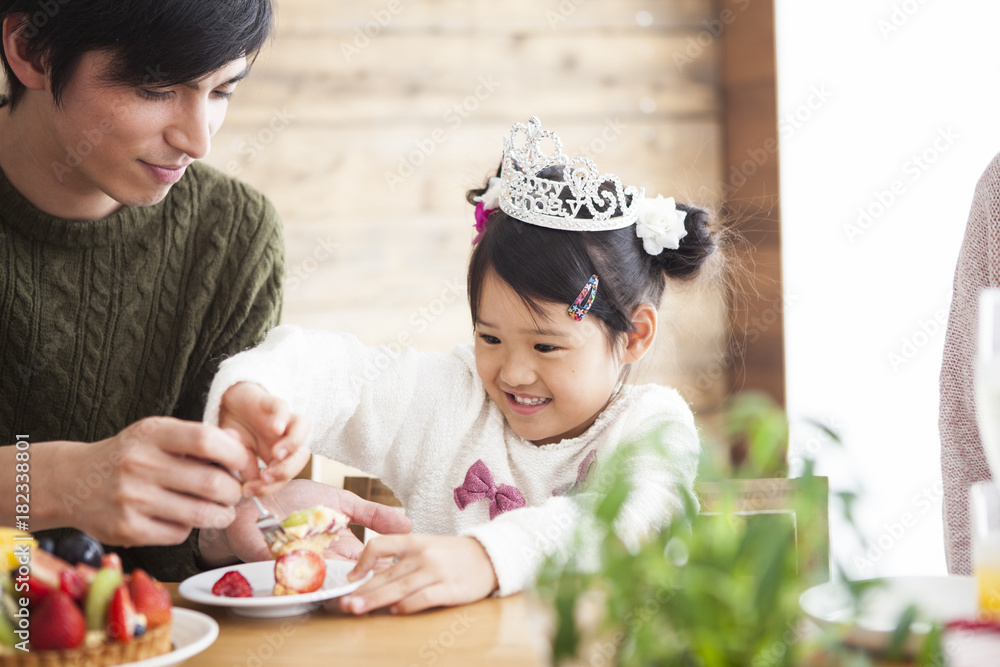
(105,322)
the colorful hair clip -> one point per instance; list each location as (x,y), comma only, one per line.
(578,311)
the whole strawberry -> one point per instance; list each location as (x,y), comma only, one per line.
(233,585)
(58,624)
(150,597)
(299,571)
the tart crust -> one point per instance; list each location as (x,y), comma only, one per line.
(155,642)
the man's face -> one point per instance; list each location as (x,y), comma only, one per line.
(133,143)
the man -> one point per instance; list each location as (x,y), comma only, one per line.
(127,272)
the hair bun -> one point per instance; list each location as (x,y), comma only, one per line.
(695,247)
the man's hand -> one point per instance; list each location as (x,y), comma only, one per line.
(265,425)
(241,540)
(429,571)
(148,485)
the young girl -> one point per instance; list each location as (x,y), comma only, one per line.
(483,445)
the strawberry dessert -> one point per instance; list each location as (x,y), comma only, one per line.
(82,615)
(299,565)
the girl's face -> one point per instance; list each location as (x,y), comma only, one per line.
(549,374)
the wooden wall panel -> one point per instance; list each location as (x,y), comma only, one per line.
(751,194)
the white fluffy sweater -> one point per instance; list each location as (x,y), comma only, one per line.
(421,421)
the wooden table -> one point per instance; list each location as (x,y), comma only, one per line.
(503,631)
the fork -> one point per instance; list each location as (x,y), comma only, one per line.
(267,523)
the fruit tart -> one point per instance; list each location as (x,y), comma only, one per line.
(79,615)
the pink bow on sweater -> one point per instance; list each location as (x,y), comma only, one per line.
(581,475)
(479,484)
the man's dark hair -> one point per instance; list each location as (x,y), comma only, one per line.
(155,43)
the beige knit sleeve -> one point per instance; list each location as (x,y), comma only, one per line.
(963,461)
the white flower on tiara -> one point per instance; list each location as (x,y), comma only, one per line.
(660,224)
(491,198)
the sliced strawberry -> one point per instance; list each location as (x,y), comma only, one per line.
(112,561)
(151,598)
(72,583)
(44,573)
(299,571)
(233,585)
(122,618)
(88,573)
(58,624)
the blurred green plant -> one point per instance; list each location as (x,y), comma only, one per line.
(713,591)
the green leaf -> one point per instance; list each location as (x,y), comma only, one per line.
(932,649)
(901,633)
(611,505)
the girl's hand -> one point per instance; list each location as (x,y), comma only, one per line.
(266,426)
(430,571)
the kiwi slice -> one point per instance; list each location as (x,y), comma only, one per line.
(99,597)
(297,518)
(7,636)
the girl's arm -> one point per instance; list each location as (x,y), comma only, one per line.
(368,407)
(505,554)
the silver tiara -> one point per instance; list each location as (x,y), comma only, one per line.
(529,197)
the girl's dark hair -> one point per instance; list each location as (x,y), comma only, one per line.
(156,43)
(545,265)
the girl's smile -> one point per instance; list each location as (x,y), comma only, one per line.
(527,405)
(548,374)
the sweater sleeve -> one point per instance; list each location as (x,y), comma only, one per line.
(519,541)
(383,411)
(963,461)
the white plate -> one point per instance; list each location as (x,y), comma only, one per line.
(192,633)
(264,604)
(938,600)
